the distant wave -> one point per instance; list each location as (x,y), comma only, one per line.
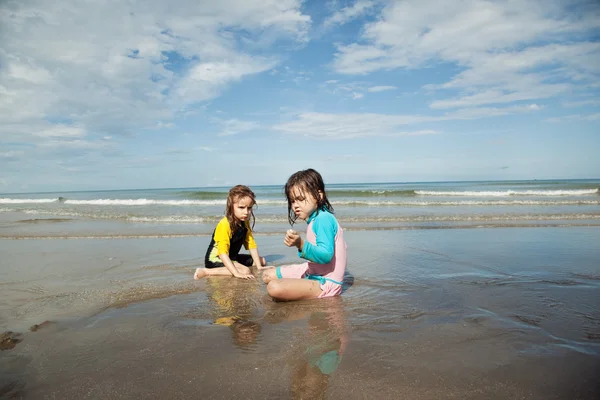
(360,203)
(26,201)
(506,193)
(128,202)
(122,217)
(174,219)
(346,203)
(145,202)
(371,193)
(200,195)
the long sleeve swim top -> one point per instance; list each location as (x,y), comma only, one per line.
(325,227)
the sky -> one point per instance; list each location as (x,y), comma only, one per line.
(189,93)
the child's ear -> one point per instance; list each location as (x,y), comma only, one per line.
(320,195)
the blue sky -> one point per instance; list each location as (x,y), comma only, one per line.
(145,94)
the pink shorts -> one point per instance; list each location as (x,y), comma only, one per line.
(298,271)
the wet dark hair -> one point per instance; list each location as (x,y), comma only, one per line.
(309,181)
(235,194)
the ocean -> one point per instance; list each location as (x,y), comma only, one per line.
(453,290)
(357,206)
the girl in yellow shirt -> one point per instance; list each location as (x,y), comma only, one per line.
(233,231)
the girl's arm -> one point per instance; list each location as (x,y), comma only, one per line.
(325,229)
(231,267)
(256,258)
(251,246)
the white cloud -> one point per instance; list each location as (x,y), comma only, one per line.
(354,125)
(496,43)
(347,14)
(575,117)
(485,112)
(207,149)
(77,144)
(582,103)
(353,89)
(61,131)
(121,67)
(375,89)
(344,126)
(516,76)
(498,96)
(11,154)
(161,125)
(234,126)
(205,80)
(345,157)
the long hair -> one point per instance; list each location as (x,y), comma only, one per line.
(235,194)
(308,181)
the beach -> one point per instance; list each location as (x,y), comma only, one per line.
(445,301)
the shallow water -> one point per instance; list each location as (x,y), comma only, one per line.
(425,314)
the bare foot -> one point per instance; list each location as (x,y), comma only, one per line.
(200,273)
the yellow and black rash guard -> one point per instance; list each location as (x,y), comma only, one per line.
(224,241)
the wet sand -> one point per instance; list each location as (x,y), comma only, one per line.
(426,314)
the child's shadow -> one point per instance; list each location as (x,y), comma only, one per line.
(348,281)
(273,257)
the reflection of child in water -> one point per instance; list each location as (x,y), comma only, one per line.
(244,332)
(323,345)
(234,306)
(325,352)
(327,340)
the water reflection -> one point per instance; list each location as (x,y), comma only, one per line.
(318,349)
(235,306)
(316,331)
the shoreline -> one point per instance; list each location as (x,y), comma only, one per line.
(281,232)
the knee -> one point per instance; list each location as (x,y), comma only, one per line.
(267,276)
(275,289)
(244,270)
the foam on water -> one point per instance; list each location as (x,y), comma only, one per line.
(505,193)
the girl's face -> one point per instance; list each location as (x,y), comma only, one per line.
(242,208)
(303,202)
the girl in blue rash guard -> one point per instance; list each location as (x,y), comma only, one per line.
(324,248)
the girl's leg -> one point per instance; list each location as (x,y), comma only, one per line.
(293,289)
(246,259)
(220,271)
(293,271)
(268,275)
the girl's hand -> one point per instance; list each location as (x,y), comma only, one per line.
(292,238)
(240,276)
